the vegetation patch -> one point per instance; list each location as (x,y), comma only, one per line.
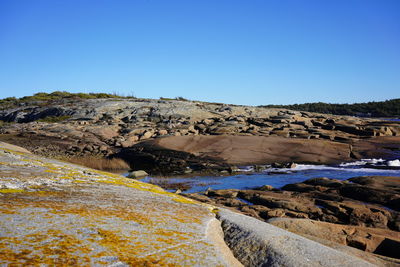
(179,98)
(388,108)
(4,123)
(103,164)
(47,98)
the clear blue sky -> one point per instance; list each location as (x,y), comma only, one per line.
(245,52)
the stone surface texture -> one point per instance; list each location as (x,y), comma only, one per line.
(371,240)
(56,213)
(256,243)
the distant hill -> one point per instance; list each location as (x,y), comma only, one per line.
(388,108)
(44,99)
(48,98)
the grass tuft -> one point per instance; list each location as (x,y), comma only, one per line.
(103,164)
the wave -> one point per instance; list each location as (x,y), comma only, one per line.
(364,165)
(305,167)
(373,162)
(363,162)
(393,163)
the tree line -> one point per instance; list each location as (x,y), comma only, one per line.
(388,108)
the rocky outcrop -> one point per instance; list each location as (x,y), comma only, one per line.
(103,127)
(64,214)
(365,209)
(379,241)
(322,199)
(371,189)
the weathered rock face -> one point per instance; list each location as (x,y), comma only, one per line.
(63,214)
(104,126)
(361,204)
(258,244)
(380,241)
(243,150)
(29,114)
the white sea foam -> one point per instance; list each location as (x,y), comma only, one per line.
(246,168)
(393,163)
(362,162)
(342,167)
(355,163)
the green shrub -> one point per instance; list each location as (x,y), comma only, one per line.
(388,108)
(44,99)
(8,102)
(181,98)
(176,98)
(4,123)
(166,98)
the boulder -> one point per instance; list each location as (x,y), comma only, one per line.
(146,135)
(137,174)
(130,141)
(228,193)
(222,130)
(266,188)
(208,121)
(162,132)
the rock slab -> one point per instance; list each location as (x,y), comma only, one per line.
(256,243)
(56,213)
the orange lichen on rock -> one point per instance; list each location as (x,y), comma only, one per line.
(63,214)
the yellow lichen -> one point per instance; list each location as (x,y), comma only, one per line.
(11,190)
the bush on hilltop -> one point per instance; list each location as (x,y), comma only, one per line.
(45,98)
